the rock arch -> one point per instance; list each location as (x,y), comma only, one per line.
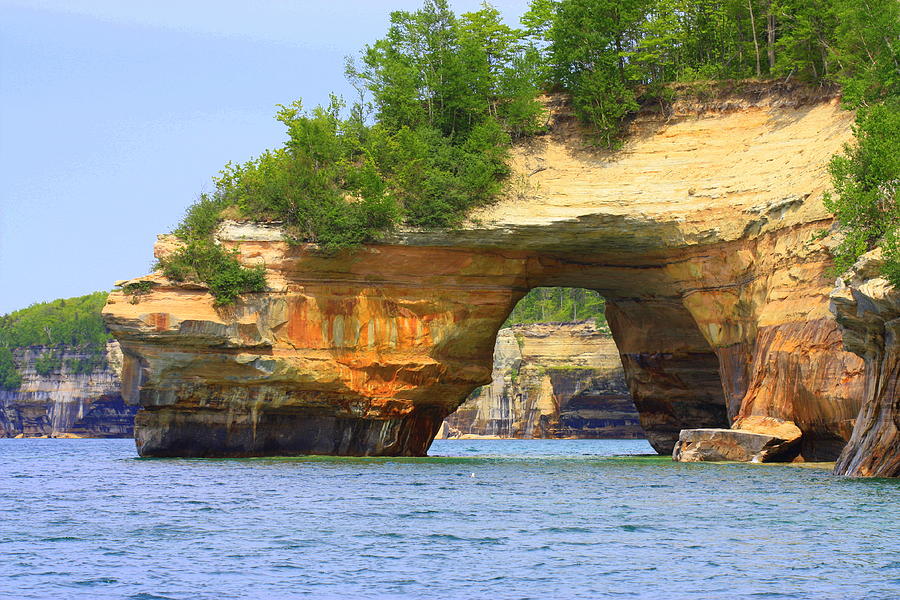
(702,234)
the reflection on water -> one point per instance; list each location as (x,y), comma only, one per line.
(479,518)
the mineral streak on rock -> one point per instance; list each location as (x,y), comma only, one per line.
(700,233)
(867,308)
(66,404)
(550,380)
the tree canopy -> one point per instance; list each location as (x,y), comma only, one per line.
(546,305)
(70,322)
(442,96)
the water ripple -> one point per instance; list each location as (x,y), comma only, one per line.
(539,519)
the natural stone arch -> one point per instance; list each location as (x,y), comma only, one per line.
(701,234)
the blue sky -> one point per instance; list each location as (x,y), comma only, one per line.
(115,115)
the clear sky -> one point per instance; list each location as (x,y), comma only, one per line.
(114,115)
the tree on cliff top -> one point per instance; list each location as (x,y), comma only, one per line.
(441,97)
(74,322)
(64,322)
(447,93)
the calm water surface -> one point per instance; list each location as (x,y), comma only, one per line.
(478,519)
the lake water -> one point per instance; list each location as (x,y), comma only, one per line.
(478,519)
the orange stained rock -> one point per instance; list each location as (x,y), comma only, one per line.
(699,233)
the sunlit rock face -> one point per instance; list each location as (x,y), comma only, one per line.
(701,234)
(66,404)
(550,380)
(867,308)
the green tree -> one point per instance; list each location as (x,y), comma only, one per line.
(545,305)
(805,38)
(866,179)
(589,44)
(9,377)
(867,48)
(74,323)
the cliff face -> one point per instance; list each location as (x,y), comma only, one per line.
(66,404)
(867,308)
(549,381)
(700,233)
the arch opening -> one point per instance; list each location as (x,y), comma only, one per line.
(558,372)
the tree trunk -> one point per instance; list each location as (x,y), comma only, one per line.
(755,41)
(770,39)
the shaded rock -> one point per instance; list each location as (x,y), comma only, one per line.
(701,445)
(867,307)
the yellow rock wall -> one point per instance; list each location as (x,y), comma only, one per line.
(701,233)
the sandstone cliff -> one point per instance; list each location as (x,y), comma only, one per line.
(66,404)
(867,308)
(550,380)
(700,233)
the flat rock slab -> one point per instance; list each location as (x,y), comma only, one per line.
(700,445)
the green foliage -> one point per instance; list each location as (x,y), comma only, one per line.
(865,180)
(867,47)
(9,378)
(544,305)
(48,362)
(85,365)
(137,288)
(448,94)
(203,260)
(69,321)
(588,43)
(73,322)
(601,50)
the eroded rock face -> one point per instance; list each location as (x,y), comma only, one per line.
(700,233)
(867,308)
(66,404)
(550,380)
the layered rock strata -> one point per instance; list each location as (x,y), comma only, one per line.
(550,380)
(867,308)
(701,234)
(66,404)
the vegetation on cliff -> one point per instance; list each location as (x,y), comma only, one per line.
(866,178)
(71,322)
(441,97)
(546,305)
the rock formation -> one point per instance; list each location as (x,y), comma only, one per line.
(701,233)
(550,380)
(66,404)
(750,439)
(867,308)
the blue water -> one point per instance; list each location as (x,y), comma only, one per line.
(479,519)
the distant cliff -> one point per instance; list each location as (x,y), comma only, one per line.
(550,380)
(65,402)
